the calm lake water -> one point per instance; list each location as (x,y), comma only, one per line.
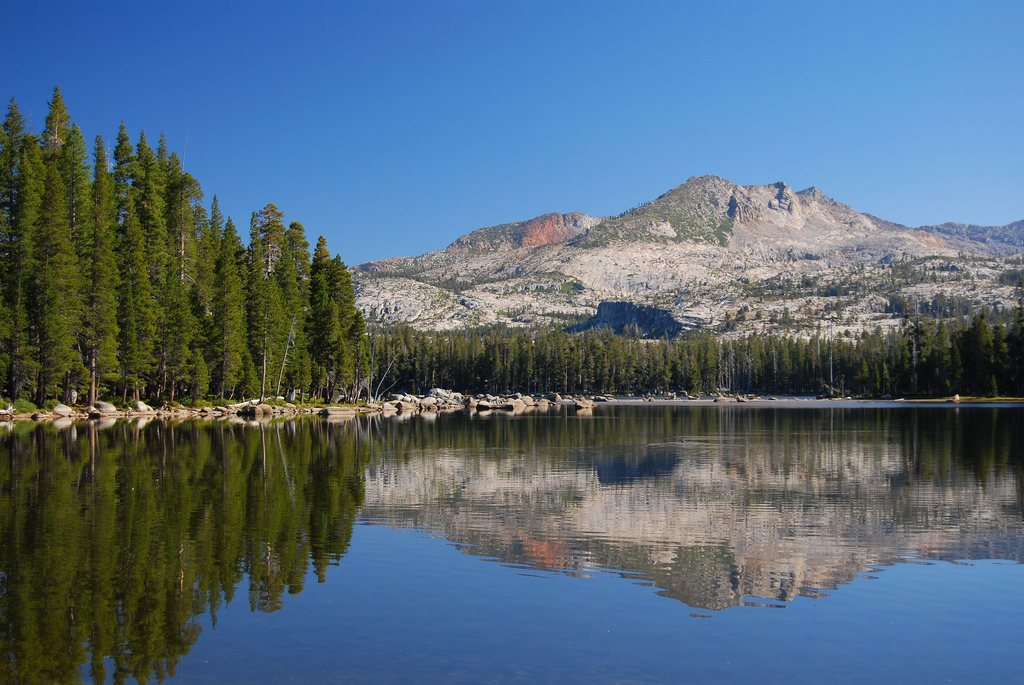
(636,543)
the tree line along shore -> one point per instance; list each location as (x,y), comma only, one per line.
(118,284)
(975,356)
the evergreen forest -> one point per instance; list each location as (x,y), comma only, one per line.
(923,357)
(118,282)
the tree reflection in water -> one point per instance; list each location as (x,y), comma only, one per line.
(116,539)
(113,542)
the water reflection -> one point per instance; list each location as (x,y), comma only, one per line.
(115,539)
(715,506)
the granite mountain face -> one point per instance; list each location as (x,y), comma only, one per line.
(708,253)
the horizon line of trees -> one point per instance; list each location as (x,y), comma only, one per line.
(116,281)
(922,357)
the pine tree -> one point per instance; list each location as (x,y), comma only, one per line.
(12,134)
(361,355)
(208,235)
(21,191)
(64,148)
(8,171)
(182,358)
(292,274)
(177,334)
(124,161)
(346,349)
(149,184)
(207,248)
(1016,344)
(976,353)
(74,171)
(54,312)
(98,264)
(135,315)
(298,247)
(323,324)
(265,302)
(57,127)
(229,349)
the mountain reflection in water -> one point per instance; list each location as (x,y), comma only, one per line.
(711,504)
(115,541)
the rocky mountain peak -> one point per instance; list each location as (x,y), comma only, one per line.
(708,252)
(814,193)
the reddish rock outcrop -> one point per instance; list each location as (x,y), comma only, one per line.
(548,229)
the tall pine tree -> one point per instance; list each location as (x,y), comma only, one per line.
(98,264)
(74,171)
(21,192)
(184,367)
(292,273)
(54,311)
(323,324)
(267,325)
(228,319)
(124,162)
(135,315)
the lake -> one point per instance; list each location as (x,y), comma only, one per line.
(656,542)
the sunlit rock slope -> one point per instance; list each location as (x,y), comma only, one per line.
(708,253)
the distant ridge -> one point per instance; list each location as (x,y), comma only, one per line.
(708,252)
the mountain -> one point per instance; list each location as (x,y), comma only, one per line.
(708,253)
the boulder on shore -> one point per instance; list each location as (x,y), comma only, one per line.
(62,410)
(104,407)
(256,410)
(338,411)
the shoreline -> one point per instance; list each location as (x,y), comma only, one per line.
(486,404)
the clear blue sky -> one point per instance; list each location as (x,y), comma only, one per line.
(394,127)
